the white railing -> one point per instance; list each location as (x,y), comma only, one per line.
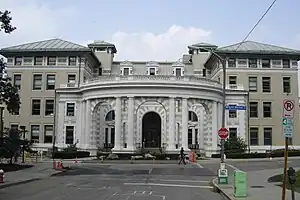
(235,87)
(68,85)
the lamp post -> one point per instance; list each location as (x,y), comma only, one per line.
(23,128)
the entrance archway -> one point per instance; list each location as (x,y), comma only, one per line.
(151,132)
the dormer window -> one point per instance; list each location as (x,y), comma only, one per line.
(152,71)
(126,71)
(126,68)
(152,68)
(178,69)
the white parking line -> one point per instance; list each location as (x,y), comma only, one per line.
(183,181)
(171,185)
(233,167)
(200,166)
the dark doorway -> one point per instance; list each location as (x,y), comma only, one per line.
(151,135)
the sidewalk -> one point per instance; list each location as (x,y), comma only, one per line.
(259,179)
(38,171)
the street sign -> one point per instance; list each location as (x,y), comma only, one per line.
(287,127)
(288,109)
(223,133)
(235,107)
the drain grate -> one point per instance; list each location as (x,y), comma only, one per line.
(257,186)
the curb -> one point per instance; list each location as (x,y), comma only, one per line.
(218,189)
(18,183)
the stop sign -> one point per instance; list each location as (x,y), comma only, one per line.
(223,133)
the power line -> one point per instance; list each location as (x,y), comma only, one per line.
(257,23)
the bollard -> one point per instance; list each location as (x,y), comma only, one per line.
(1,176)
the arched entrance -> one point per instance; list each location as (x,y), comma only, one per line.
(151,135)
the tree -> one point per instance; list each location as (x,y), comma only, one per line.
(8,93)
(235,145)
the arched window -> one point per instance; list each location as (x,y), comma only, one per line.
(192,116)
(110,116)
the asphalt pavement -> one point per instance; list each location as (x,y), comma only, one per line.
(120,182)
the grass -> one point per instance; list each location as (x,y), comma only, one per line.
(279,177)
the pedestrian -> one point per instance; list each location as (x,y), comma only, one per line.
(182,157)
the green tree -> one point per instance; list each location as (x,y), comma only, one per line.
(5,21)
(235,145)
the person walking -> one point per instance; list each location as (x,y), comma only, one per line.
(182,158)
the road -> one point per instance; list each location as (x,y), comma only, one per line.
(120,182)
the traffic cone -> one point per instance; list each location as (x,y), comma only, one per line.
(76,161)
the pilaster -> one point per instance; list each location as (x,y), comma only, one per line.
(184,118)
(171,130)
(130,123)
(118,125)
(214,135)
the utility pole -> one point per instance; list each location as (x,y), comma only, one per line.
(223,61)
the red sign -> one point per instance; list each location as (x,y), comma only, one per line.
(288,105)
(223,133)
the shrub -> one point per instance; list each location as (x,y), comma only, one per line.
(257,155)
(235,145)
(71,154)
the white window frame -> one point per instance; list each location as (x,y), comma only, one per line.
(153,67)
(66,108)
(178,67)
(65,133)
(127,67)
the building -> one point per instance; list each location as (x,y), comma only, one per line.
(81,95)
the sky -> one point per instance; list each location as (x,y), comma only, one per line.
(153,30)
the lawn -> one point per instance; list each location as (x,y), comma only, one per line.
(279,178)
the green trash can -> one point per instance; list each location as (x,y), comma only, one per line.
(240,183)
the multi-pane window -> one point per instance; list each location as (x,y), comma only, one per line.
(14,126)
(62,60)
(37,82)
(69,134)
(231,62)
(178,72)
(152,71)
(253,136)
(36,107)
(252,84)
(18,60)
(38,60)
(70,109)
(286,63)
(267,109)
(192,116)
(267,136)
(71,78)
(252,63)
(27,60)
(253,109)
(190,137)
(50,82)
(51,60)
(266,84)
(233,133)
(232,80)
(17,80)
(286,84)
(35,133)
(125,71)
(48,133)
(265,63)
(49,107)
(72,60)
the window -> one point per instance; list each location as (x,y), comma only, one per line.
(266,84)
(37,82)
(152,71)
(252,63)
(48,133)
(14,126)
(192,116)
(17,80)
(232,132)
(265,63)
(49,107)
(100,71)
(232,113)
(267,136)
(70,109)
(36,107)
(27,60)
(286,63)
(18,60)
(178,72)
(125,71)
(253,109)
(177,105)
(267,109)
(71,78)
(232,80)
(35,133)
(253,136)
(69,134)
(10,61)
(62,60)
(112,137)
(72,60)
(231,62)
(50,82)
(51,60)
(204,72)
(190,137)
(286,84)
(110,116)
(252,84)
(38,60)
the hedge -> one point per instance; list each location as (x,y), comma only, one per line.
(274,154)
(71,154)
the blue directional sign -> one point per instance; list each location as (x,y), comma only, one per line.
(287,127)
(235,107)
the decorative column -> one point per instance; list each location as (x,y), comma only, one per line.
(87,133)
(201,130)
(184,118)
(171,131)
(80,121)
(193,136)
(214,123)
(118,125)
(60,130)
(130,123)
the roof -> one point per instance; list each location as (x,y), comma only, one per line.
(203,44)
(101,43)
(46,45)
(256,48)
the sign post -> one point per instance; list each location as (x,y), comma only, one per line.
(287,123)
(222,172)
